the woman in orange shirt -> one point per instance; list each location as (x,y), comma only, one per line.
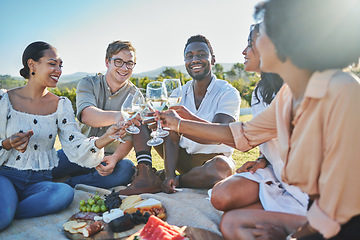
(314,116)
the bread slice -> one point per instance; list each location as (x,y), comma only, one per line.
(130,201)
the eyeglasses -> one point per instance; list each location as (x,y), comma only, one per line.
(118,62)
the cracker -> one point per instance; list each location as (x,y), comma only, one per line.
(78,225)
(73,231)
(68,225)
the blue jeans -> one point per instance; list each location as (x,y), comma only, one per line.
(121,175)
(28,193)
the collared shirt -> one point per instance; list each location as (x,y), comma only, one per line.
(220,97)
(94,91)
(321,155)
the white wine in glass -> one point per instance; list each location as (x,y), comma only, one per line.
(174,92)
(128,112)
(156,98)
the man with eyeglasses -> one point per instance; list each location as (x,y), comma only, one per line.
(99,99)
(206,99)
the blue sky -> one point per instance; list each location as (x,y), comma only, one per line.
(82,29)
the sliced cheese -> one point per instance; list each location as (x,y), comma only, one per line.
(130,201)
(144,205)
(151,202)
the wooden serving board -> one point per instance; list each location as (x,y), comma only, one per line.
(192,233)
(106,233)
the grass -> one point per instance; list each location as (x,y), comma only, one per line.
(158,162)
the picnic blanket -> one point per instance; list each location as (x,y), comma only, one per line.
(189,207)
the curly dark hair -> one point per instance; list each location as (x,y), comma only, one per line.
(199,38)
(314,35)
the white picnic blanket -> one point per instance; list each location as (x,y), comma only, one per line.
(187,208)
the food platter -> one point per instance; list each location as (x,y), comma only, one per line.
(106,233)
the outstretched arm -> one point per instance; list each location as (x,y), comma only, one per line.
(214,132)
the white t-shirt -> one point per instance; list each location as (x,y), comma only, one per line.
(220,97)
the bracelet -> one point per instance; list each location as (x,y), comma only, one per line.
(178,127)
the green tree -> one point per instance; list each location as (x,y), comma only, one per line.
(69,93)
(170,73)
(219,71)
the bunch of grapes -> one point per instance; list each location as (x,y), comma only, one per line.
(112,200)
(94,204)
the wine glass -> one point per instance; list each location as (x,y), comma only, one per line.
(139,102)
(174,92)
(119,122)
(128,112)
(156,97)
(155,141)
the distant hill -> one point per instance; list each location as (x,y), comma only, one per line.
(74,77)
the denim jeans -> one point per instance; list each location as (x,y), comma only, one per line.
(28,193)
(121,175)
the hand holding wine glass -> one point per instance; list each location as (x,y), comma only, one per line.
(120,123)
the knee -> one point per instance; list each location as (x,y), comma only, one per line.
(223,168)
(8,202)
(6,219)
(227,227)
(220,198)
(126,163)
(62,196)
(233,229)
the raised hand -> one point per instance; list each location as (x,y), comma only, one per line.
(116,130)
(169,119)
(19,141)
(183,112)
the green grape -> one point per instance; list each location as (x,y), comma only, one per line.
(91,201)
(97,197)
(82,203)
(83,208)
(100,202)
(80,208)
(88,209)
(97,209)
(103,208)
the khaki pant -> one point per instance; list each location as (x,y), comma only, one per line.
(187,161)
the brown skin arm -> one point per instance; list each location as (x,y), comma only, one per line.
(214,132)
(218,118)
